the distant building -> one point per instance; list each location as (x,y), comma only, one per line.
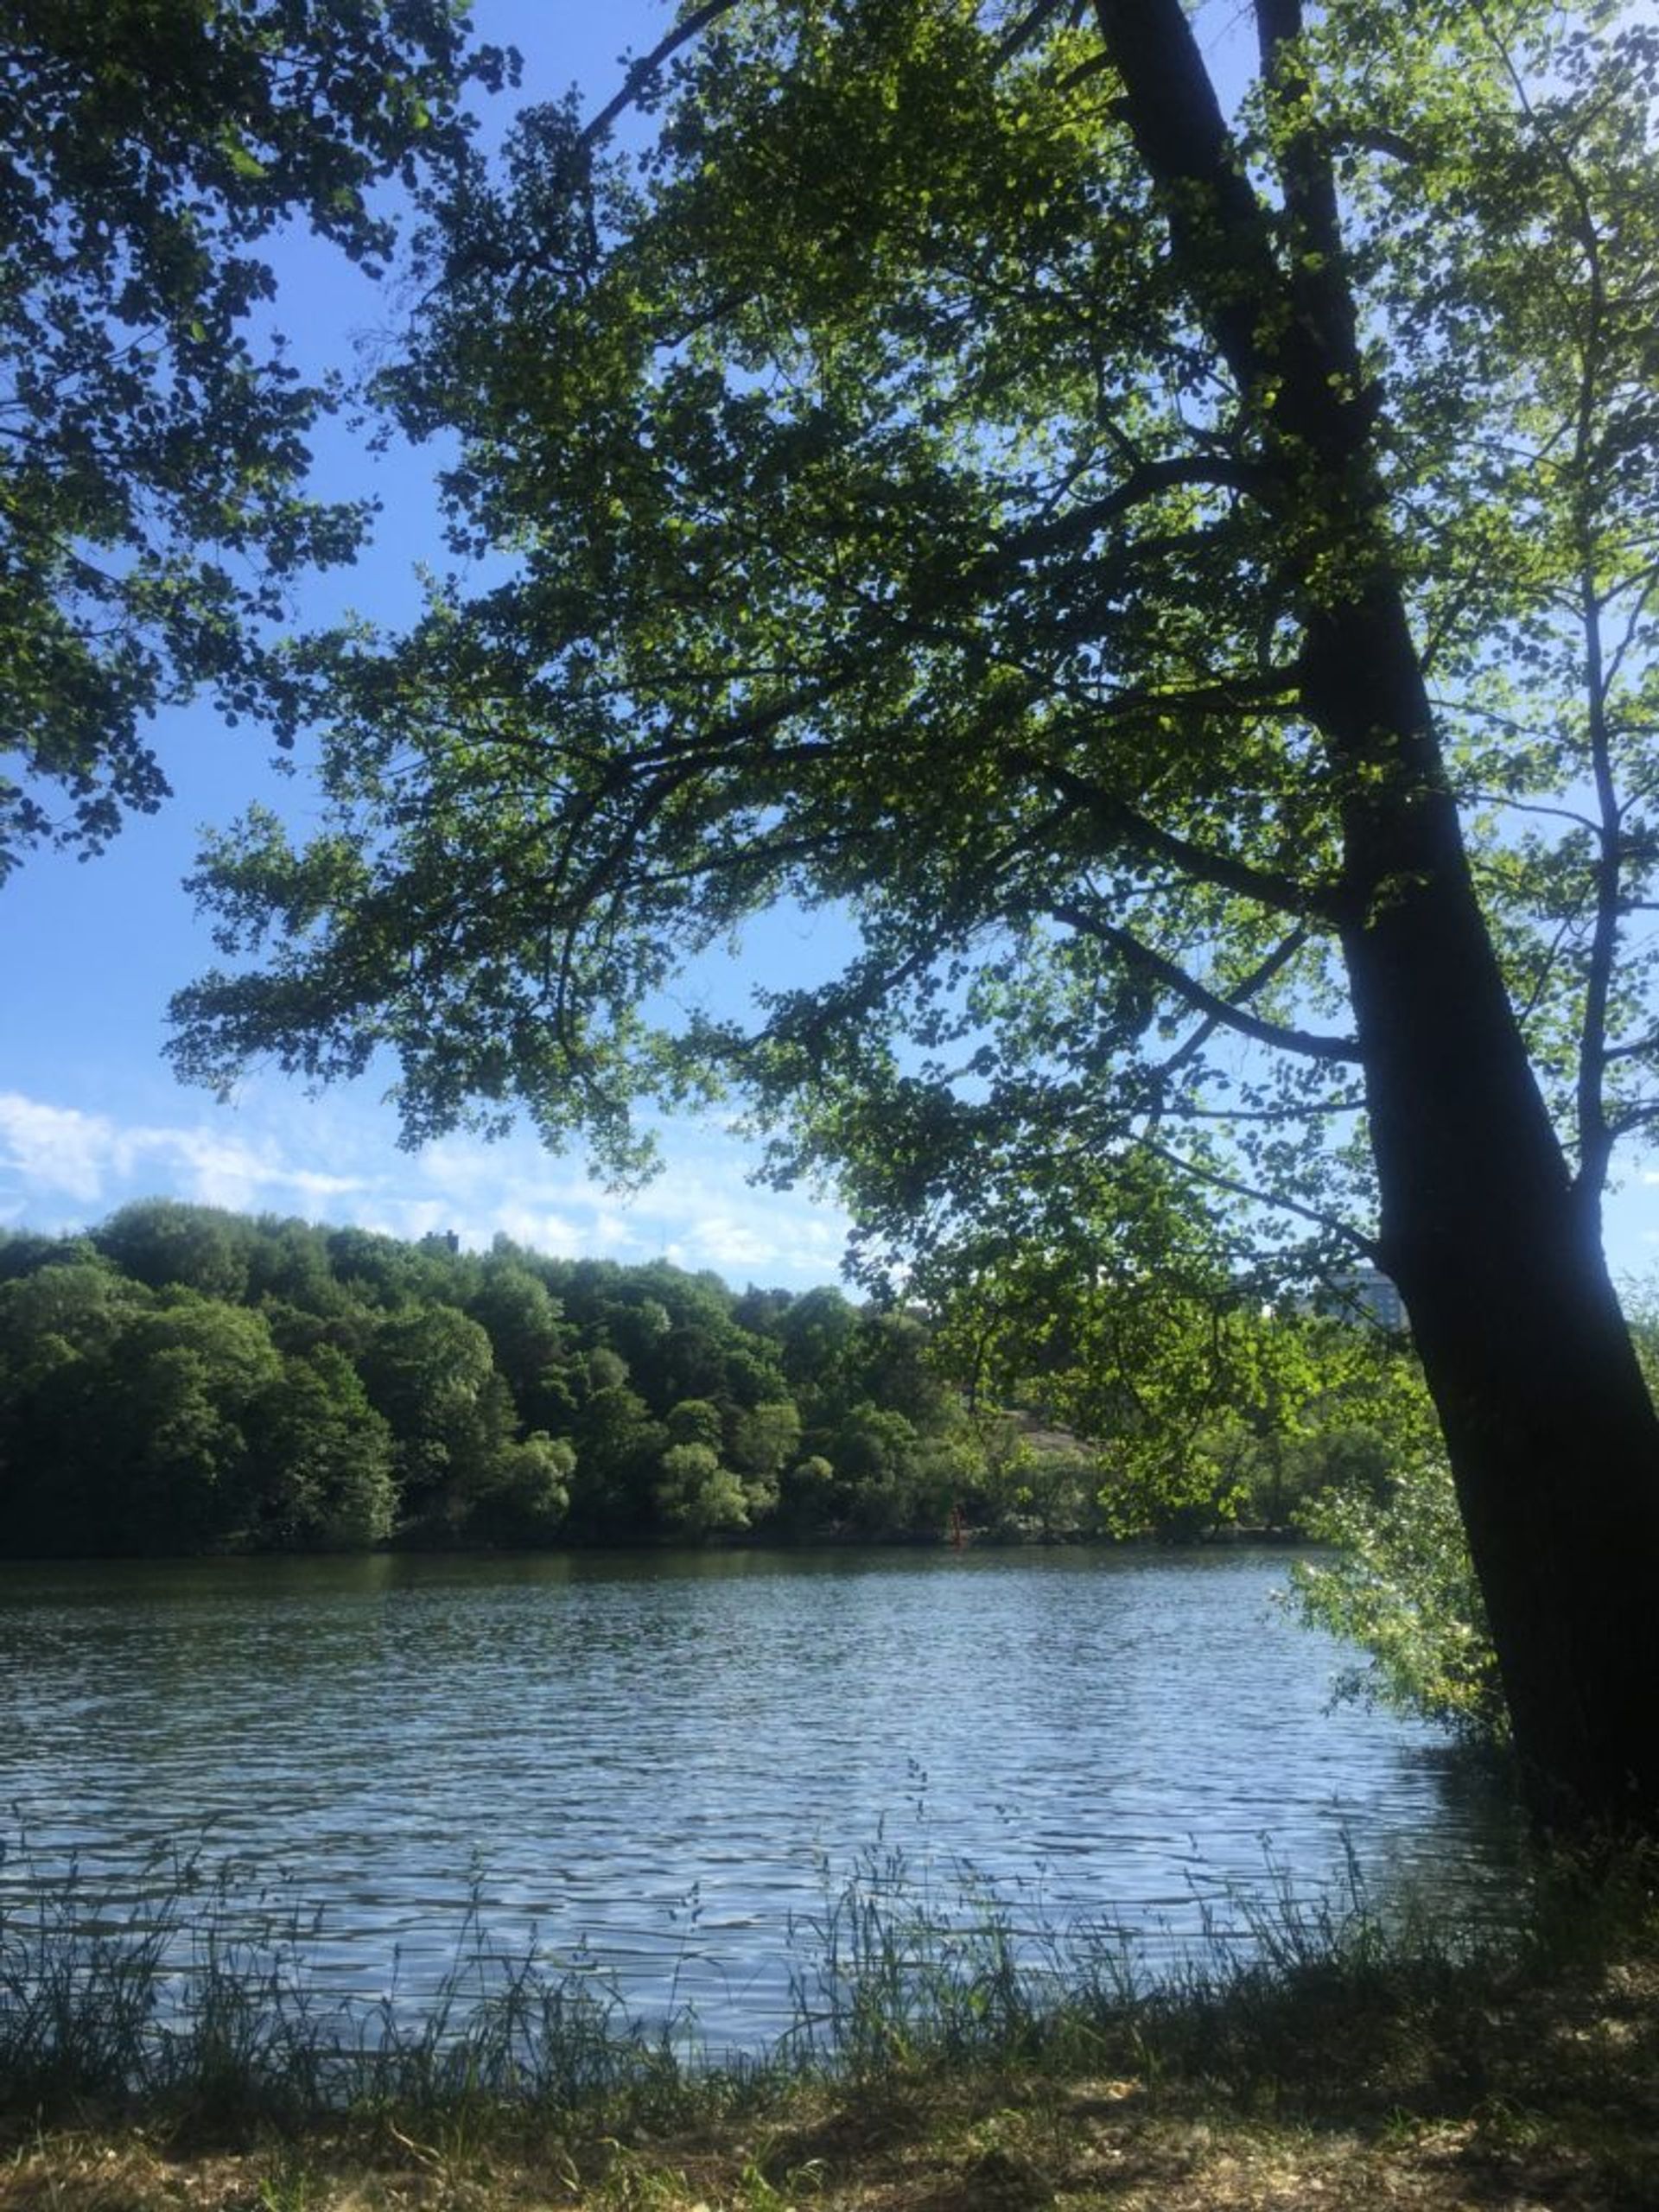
(1361,1294)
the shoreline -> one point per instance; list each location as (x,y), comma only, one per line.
(1356,2069)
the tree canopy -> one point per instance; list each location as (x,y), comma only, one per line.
(153,430)
(1173,559)
(894,532)
(186,1380)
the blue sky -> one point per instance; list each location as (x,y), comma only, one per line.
(90,1114)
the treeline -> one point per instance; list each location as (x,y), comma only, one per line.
(185,1380)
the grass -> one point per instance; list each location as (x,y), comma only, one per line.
(169,2058)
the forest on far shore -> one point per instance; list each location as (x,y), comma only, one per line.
(182,1380)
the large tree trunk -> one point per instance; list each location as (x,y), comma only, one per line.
(1553,1439)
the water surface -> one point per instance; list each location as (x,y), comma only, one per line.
(661,1763)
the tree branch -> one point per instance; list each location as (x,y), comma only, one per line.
(1367,1247)
(1173,978)
(641,73)
(1144,483)
(1632,1049)
(1282,893)
(1633,1118)
(1263,973)
(1029,25)
(1215,218)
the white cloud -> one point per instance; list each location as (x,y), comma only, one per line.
(783,1233)
(701,1211)
(218,1171)
(559,1234)
(63,1167)
(57,1149)
(61,1152)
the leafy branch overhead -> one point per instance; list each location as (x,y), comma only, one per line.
(896,533)
(153,453)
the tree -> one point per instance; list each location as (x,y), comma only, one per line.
(617,1447)
(1177,572)
(57,1326)
(323,1460)
(527,1337)
(765,1439)
(153,437)
(694,1495)
(1398,1583)
(525,1492)
(164,1241)
(159,1436)
(819,1335)
(430,1375)
(288,1267)
(1127,1322)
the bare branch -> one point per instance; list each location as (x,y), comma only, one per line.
(1632,1049)
(1145,482)
(1632,1118)
(1029,25)
(1527,806)
(1282,954)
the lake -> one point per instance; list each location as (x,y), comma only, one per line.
(662,1765)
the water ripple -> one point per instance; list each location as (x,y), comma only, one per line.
(659,1765)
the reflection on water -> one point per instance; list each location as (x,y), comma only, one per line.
(666,1759)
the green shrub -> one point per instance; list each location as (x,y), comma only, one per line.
(1400,1586)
